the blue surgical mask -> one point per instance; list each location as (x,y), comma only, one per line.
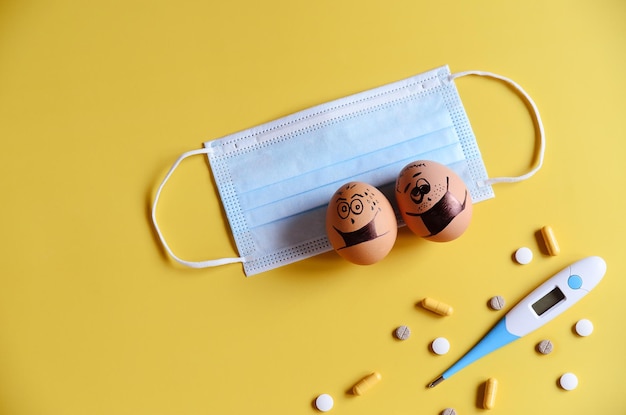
(275,180)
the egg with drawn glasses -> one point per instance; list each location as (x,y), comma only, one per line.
(360,223)
(433,201)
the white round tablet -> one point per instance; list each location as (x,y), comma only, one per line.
(524,255)
(440,345)
(584,327)
(568,381)
(324,402)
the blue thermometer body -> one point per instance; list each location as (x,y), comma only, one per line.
(546,302)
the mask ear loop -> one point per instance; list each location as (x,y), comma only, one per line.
(192,264)
(539,124)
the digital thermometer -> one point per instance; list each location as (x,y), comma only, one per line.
(540,306)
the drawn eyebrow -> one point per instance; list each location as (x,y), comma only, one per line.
(340,199)
(356,194)
(417,174)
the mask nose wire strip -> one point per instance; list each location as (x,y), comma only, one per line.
(192,264)
(539,124)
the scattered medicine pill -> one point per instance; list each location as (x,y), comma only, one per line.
(523,255)
(403,332)
(367,383)
(545,347)
(568,381)
(440,345)
(491,388)
(584,327)
(550,240)
(437,307)
(496,303)
(324,402)
(448,411)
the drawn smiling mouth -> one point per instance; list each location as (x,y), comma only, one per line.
(363,234)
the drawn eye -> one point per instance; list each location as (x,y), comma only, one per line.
(423,186)
(343,210)
(356,206)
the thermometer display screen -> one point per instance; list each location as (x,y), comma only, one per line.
(548,301)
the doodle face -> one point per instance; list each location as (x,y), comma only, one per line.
(353,208)
(351,201)
(358,215)
(431,197)
(415,181)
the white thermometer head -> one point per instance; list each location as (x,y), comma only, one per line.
(555,296)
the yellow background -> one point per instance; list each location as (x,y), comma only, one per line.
(97,99)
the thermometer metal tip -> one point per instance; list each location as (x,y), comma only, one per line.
(436,382)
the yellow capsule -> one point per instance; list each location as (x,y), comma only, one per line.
(491,388)
(550,240)
(366,383)
(437,307)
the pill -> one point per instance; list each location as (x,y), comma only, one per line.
(584,327)
(403,332)
(437,307)
(496,303)
(367,383)
(448,411)
(324,402)
(523,255)
(550,240)
(568,381)
(545,347)
(489,398)
(440,345)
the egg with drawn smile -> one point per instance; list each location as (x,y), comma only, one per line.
(433,201)
(360,223)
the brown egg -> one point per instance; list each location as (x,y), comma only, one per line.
(360,223)
(433,201)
